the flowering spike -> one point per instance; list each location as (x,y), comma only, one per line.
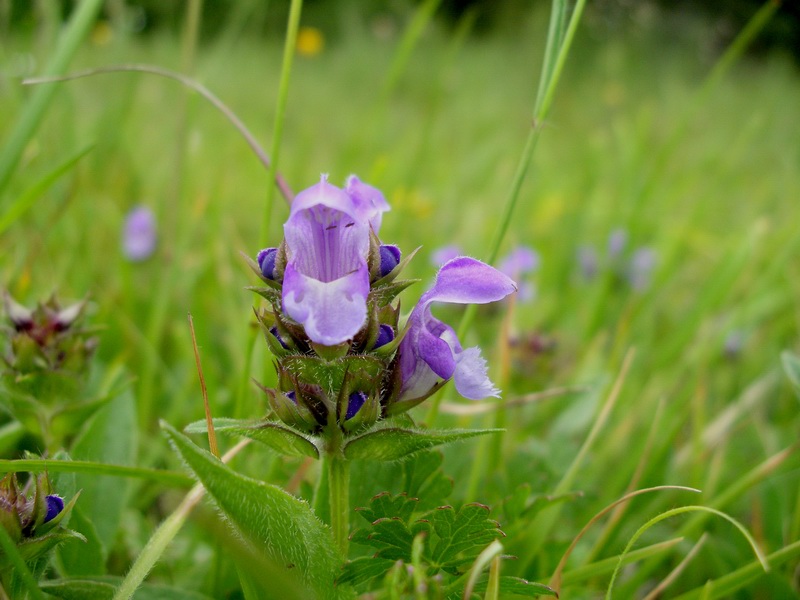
(342,357)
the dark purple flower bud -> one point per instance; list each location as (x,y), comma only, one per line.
(55,504)
(266,262)
(292,396)
(139,234)
(385,335)
(274,331)
(354,404)
(390,258)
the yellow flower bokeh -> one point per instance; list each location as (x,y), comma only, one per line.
(310,41)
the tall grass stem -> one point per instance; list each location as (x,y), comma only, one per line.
(78,27)
(280,111)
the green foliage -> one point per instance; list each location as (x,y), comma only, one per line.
(277,436)
(283,526)
(392,443)
(451,539)
(104,588)
(791,365)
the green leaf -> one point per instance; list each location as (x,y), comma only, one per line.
(393,443)
(330,374)
(426,481)
(385,505)
(79,589)
(392,537)
(284,528)
(364,569)
(462,534)
(279,437)
(82,557)
(109,437)
(516,586)
(791,364)
(103,588)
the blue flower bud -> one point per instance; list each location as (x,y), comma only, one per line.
(385,335)
(274,331)
(266,262)
(354,404)
(55,504)
(390,258)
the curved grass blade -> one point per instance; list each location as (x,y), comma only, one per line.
(677,511)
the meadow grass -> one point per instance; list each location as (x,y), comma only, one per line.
(679,382)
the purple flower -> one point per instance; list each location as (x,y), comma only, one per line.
(431,350)
(326,281)
(369,202)
(641,267)
(616,243)
(521,261)
(139,234)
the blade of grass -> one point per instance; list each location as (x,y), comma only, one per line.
(677,511)
(165,533)
(411,36)
(290,43)
(548,83)
(727,585)
(170,478)
(26,200)
(207,94)
(20,568)
(541,526)
(76,30)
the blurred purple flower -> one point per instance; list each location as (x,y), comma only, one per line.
(641,267)
(445,254)
(139,234)
(431,350)
(616,243)
(520,262)
(326,281)
(588,262)
(55,504)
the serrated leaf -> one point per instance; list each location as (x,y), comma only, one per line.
(280,525)
(279,437)
(392,537)
(385,505)
(364,569)
(462,534)
(392,443)
(516,586)
(791,365)
(426,480)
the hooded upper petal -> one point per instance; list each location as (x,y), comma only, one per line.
(369,202)
(326,281)
(431,349)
